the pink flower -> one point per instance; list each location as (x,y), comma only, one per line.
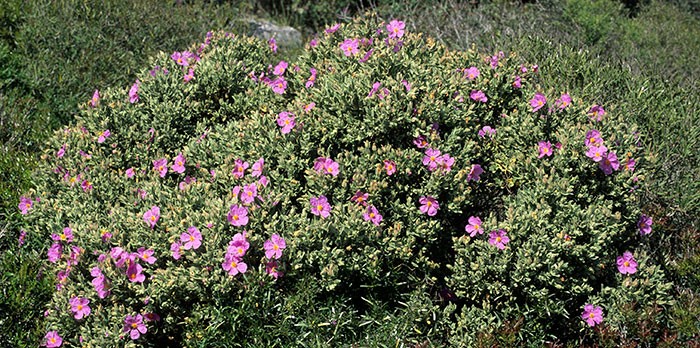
(395,29)
(308,107)
(278,85)
(596,113)
(474,172)
(161,166)
(238,215)
(644,224)
(250,191)
(474,226)
(499,239)
(280,68)
(65,236)
(80,307)
(191,239)
(238,245)
(52,340)
(445,162)
(134,92)
(86,186)
(372,214)
(390,167)
(312,79)
(286,121)
(472,73)
(274,246)
(360,198)
(406,85)
(430,159)
(563,101)
(320,206)
(133,272)
(272,43)
(95,99)
(609,163)
(22,236)
(592,315)
(626,263)
(61,151)
(545,149)
(349,47)
(103,136)
(180,59)
(596,153)
(134,326)
(189,76)
(333,28)
(130,173)
(487,130)
(593,138)
(25,204)
(176,249)
(629,165)
(537,102)
(272,268)
(478,96)
(146,255)
(420,142)
(368,54)
(494,59)
(326,166)
(239,167)
(179,165)
(429,205)
(257,168)
(233,265)
(517,82)
(151,216)
(55,252)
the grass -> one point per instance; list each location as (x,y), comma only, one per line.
(53,54)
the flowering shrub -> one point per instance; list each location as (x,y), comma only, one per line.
(227,196)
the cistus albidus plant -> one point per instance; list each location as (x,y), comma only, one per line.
(381,189)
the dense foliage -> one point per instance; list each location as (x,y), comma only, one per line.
(380,189)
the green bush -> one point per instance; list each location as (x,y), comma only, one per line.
(413,277)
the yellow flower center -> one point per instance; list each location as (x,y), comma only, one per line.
(153,218)
(63,236)
(319,207)
(233,264)
(134,325)
(591,315)
(429,204)
(476,227)
(371,215)
(498,239)
(53,340)
(275,247)
(133,276)
(627,264)
(235,217)
(191,238)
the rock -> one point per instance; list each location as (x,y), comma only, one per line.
(285,36)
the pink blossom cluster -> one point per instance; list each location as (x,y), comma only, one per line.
(434,160)
(233,260)
(607,160)
(326,166)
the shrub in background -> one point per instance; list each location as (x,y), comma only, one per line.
(381,189)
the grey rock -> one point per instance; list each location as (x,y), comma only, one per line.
(285,36)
